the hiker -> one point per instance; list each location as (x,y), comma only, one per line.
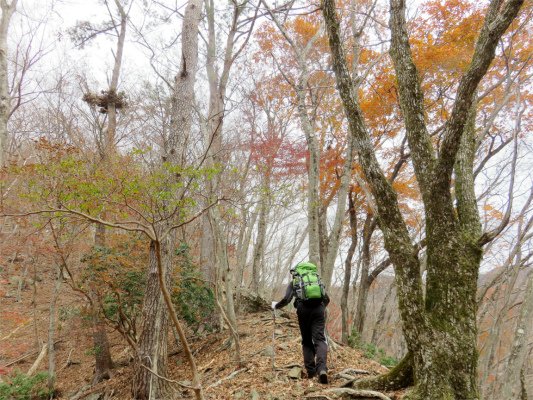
(310,303)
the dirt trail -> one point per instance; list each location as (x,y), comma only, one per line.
(222,377)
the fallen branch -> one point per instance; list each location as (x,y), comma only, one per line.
(234,373)
(68,360)
(292,366)
(78,395)
(168,380)
(207,365)
(358,393)
(38,361)
(352,371)
(15,331)
(21,358)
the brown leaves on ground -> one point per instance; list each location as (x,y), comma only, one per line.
(222,377)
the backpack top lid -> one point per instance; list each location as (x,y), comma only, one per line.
(307,267)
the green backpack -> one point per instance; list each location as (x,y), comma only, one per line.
(307,283)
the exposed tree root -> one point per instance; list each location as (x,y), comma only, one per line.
(400,377)
(357,394)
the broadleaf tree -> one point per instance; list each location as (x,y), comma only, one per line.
(439,325)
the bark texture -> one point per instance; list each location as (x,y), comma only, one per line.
(345,328)
(152,343)
(440,327)
(182,98)
(511,380)
(5,107)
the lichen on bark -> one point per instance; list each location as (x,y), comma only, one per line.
(440,327)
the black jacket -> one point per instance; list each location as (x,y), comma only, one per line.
(289,294)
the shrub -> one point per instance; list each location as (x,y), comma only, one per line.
(371,351)
(389,361)
(194,300)
(22,387)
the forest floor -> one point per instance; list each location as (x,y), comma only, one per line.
(26,323)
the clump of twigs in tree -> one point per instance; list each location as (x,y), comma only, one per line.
(104,99)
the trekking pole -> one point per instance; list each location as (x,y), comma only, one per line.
(327,340)
(273,341)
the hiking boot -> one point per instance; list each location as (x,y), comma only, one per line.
(310,375)
(323,377)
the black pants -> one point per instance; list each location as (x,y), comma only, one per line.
(312,321)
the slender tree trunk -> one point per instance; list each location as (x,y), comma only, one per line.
(109,142)
(510,380)
(345,325)
(102,353)
(207,258)
(259,246)
(5,108)
(242,254)
(364,284)
(224,269)
(381,316)
(51,331)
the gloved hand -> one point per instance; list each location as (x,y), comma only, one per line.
(274,303)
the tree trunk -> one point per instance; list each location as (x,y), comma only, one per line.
(440,328)
(109,144)
(5,107)
(259,246)
(345,326)
(152,344)
(51,331)
(381,316)
(364,282)
(242,253)
(102,353)
(511,387)
(103,360)
(183,93)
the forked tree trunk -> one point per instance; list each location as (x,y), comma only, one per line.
(364,283)
(440,327)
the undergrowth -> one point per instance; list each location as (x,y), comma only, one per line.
(371,351)
(22,387)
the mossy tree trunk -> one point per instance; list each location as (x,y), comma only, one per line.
(440,327)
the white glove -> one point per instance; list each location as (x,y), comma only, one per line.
(274,303)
